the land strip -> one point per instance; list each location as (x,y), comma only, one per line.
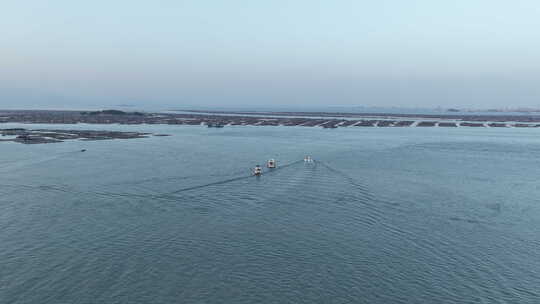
(305,119)
(46,136)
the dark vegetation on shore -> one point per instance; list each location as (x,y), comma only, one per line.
(45,136)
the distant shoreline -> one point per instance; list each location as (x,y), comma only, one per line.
(47,136)
(253,118)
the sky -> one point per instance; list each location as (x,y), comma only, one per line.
(388,53)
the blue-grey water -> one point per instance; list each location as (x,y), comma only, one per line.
(385,215)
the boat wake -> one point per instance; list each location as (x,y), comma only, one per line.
(285,183)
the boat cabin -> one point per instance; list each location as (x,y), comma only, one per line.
(271,163)
(257,170)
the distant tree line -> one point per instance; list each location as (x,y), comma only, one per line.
(111,112)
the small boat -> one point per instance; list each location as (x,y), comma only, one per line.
(83,150)
(308,159)
(257,170)
(271,163)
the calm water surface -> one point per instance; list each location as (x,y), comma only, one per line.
(386,215)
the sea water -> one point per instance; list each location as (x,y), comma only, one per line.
(383,215)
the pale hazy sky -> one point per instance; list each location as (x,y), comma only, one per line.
(477,53)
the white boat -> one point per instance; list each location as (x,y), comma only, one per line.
(308,159)
(271,163)
(257,170)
